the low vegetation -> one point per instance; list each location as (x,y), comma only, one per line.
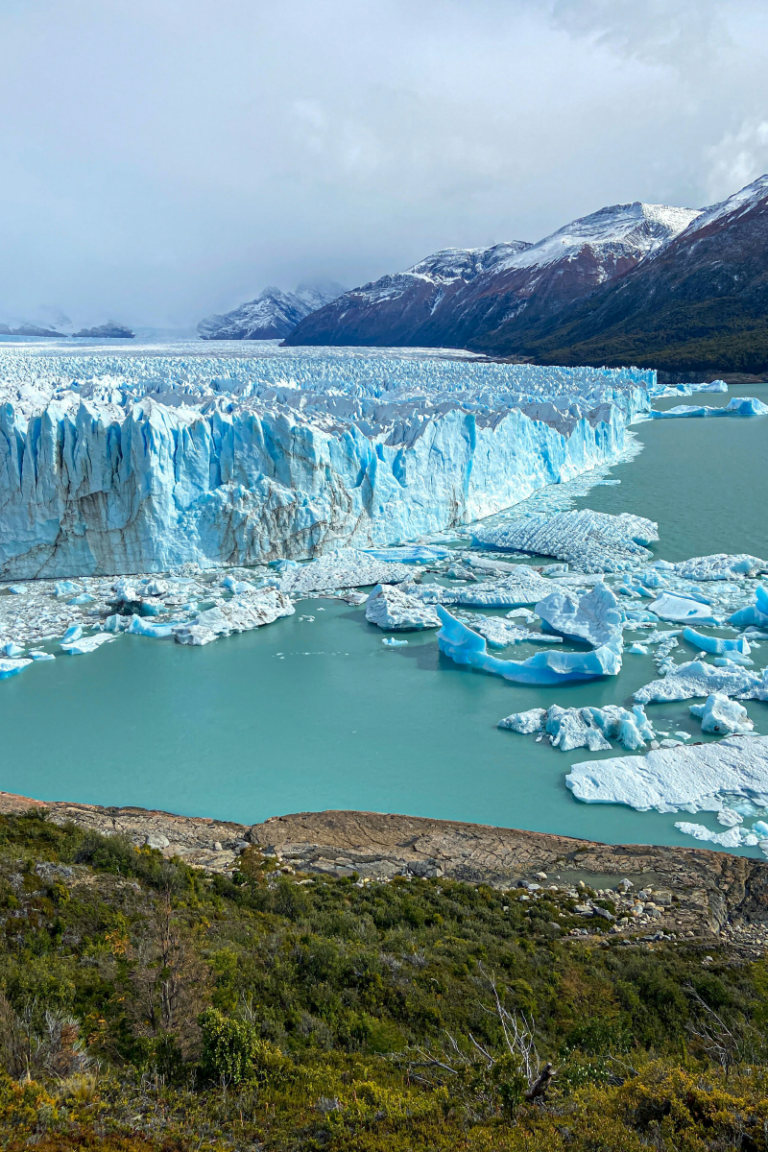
(145,1005)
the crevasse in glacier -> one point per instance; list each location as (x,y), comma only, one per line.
(113,464)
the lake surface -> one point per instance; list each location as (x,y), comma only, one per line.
(312,714)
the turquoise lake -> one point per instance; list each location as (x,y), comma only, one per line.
(305,715)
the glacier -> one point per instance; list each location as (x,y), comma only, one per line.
(140,463)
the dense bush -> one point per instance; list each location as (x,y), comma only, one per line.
(145,1005)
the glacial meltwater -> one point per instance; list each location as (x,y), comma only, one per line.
(315,712)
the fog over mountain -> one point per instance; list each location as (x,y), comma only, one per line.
(163,162)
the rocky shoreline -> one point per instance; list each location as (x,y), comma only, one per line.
(657,891)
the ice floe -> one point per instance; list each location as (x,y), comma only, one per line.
(591,541)
(695,678)
(466,647)
(346,568)
(688,778)
(718,645)
(12,667)
(594,619)
(392,609)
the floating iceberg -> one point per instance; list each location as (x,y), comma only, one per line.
(594,619)
(720,715)
(697,679)
(680,609)
(733,838)
(689,778)
(592,728)
(718,645)
(738,406)
(142,463)
(591,541)
(464,646)
(140,626)
(756,614)
(390,608)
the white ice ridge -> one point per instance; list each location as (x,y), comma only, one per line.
(119,464)
(692,778)
(393,610)
(592,728)
(721,566)
(738,406)
(590,541)
(464,646)
(594,619)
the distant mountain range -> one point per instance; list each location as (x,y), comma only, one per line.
(109,331)
(271,316)
(675,288)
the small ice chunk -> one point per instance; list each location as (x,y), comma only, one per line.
(140,626)
(389,608)
(680,609)
(593,619)
(12,649)
(36,654)
(74,632)
(12,667)
(64,588)
(117,623)
(524,722)
(756,614)
(717,644)
(83,598)
(393,642)
(637,650)
(721,715)
(85,644)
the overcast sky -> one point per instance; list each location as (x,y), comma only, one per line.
(164,159)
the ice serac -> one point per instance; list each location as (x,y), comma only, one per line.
(393,610)
(695,778)
(590,541)
(466,647)
(117,464)
(594,619)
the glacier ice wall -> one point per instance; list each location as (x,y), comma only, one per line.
(120,464)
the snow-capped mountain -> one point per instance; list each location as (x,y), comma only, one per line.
(270,316)
(401,309)
(457,296)
(699,302)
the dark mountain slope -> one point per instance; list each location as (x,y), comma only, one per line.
(700,303)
